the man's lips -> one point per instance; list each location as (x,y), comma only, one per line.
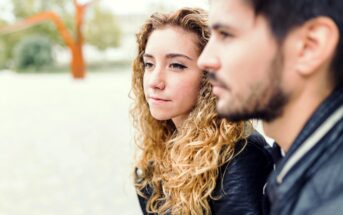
(218,88)
(218,84)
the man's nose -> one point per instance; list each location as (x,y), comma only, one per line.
(208,59)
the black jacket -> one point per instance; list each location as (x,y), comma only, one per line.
(309,179)
(241,181)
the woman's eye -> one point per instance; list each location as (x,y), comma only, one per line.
(177,66)
(148,65)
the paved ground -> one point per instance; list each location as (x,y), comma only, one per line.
(65,145)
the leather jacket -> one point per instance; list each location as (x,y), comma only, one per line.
(309,179)
(241,181)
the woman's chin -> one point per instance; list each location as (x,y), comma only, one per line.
(160,116)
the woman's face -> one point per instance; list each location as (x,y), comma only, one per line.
(171,75)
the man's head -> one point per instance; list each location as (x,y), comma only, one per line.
(263,54)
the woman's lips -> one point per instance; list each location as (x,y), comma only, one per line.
(158,100)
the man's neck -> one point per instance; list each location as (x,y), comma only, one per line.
(296,113)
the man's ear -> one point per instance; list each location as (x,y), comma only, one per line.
(316,45)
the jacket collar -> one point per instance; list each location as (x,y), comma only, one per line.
(276,188)
(324,118)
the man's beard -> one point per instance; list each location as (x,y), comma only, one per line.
(267,103)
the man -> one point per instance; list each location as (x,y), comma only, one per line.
(282,61)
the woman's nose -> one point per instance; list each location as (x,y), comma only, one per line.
(157,79)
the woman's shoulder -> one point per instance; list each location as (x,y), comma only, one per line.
(249,168)
(241,180)
(253,148)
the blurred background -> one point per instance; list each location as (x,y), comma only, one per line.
(66,142)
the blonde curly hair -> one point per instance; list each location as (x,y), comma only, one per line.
(181,166)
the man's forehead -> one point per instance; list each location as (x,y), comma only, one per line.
(230,13)
(232,4)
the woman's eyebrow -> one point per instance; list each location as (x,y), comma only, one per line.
(172,55)
(148,55)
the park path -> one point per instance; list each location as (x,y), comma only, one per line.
(66,145)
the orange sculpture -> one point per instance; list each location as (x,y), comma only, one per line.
(74,44)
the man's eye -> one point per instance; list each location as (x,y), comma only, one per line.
(177,66)
(224,34)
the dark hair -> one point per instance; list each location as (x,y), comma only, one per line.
(285,15)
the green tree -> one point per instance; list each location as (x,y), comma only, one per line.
(102,29)
(2,55)
(34,51)
(24,9)
(7,43)
(2,48)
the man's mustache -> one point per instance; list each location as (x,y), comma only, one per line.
(211,76)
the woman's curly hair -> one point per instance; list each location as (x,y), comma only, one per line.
(181,166)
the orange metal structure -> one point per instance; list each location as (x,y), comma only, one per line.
(75,44)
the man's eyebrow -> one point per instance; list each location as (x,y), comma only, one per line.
(172,55)
(217,26)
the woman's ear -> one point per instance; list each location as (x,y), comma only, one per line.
(316,45)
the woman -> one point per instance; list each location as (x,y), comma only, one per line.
(190,161)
